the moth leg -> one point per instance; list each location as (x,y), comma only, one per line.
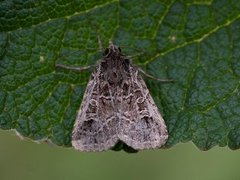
(152,77)
(79,69)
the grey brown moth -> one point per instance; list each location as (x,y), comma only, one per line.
(116,107)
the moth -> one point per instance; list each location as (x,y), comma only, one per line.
(117,106)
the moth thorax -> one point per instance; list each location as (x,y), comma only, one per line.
(115,76)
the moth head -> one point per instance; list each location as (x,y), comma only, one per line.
(112,50)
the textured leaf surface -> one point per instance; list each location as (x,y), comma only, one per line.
(196,43)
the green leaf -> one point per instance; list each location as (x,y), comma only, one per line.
(196,43)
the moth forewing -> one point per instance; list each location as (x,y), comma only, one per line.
(141,125)
(117,106)
(91,130)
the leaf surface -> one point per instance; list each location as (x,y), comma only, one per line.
(196,43)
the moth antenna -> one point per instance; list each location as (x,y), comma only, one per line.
(99,42)
(74,68)
(152,77)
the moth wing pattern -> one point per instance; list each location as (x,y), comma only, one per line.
(95,125)
(141,126)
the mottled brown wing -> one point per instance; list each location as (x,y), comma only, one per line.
(141,125)
(95,125)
